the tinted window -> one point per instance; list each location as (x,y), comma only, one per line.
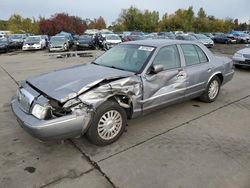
(190,54)
(168,57)
(202,56)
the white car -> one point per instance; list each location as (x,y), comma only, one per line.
(242,57)
(111,40)
(34,43)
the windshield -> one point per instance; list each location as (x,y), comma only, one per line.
(16,37)
(3,41)
(112,37)
(33,39)
(126,57)
(57,39)
(85,37)
(189,37)
(200,36)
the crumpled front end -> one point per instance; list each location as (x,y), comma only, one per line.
(45,118)
(48,119)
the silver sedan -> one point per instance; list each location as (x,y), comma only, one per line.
(129,80)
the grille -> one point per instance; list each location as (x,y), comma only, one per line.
(24,99)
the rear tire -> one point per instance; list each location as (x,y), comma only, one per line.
(212,90)
(108,124)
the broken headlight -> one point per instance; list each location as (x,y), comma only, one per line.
(39,111)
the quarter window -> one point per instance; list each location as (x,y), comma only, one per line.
(168,57)
(193,54)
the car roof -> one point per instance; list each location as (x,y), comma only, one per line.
(159,42)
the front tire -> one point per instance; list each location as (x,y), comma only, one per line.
(212,90)
(108,124)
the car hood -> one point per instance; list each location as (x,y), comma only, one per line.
(56,43)
(205,40)
(68,83)
(244,51)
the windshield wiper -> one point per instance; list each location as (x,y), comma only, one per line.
(117,68)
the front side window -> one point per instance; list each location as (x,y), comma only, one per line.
(168,57)
(193,54)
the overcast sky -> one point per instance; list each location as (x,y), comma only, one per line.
(110,9)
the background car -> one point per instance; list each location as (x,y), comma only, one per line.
(34,43)
(185,37)
(208,42)
(242,57)
(111,40)
(58,43)
(85,42)
(222,38)
(4,45)
(18,39)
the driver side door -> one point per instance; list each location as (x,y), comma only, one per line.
(167,86)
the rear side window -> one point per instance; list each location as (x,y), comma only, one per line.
(202,56)
(193,54)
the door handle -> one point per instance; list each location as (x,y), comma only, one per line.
(209,70)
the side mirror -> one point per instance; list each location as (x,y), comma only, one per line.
(157,68)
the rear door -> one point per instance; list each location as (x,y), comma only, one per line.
(197,67)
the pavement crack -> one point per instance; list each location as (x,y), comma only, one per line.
(9,74)
(173,128)
(66,177)
(94,164)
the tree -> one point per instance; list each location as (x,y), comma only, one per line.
(100,23)
(18,24)
(62,22)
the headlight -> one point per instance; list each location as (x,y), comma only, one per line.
(237,54)
(39,111)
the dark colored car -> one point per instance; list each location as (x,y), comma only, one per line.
(85,42)
(4,45)
(17,40)
(222,38)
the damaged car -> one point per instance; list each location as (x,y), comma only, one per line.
(129,80)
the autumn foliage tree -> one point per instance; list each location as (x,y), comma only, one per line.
(62,22)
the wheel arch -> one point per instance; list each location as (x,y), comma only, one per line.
(219,75)
(125,102)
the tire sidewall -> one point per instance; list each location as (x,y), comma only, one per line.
(92,132)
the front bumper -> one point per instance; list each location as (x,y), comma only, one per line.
(33,47)
(56,49)
(241,61)
(68,126)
